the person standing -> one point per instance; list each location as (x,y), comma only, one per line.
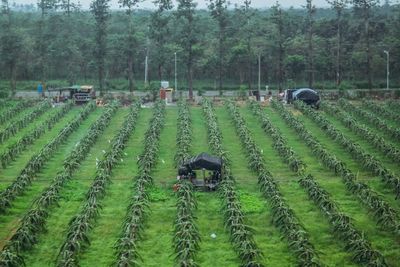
(40,89)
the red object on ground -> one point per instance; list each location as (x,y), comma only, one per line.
(176,187)
(163,94)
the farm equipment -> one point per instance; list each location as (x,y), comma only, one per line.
(79,94)
(203,162)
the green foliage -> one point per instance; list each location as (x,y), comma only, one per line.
(251,203)
(366,195)
(283,216)
(243,91)
(34,221)
(279,35)
(241,235)
(343,228)
(127,244)
(391,180)
(21,123)
(344,85)
(157,194)
(12,151)
(100,10)
(80,225)
(4,93)
(36,163)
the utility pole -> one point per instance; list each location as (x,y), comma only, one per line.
(176,80)
(259,75)
(387,68)
(145,66)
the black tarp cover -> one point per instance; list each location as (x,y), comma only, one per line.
(307,95)
(205,161)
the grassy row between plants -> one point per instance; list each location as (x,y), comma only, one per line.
(33,223)
(382,240)
(72,195)
(341,225)
(13,150)
(39,160)
(106,231)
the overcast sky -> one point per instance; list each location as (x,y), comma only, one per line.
(203,3)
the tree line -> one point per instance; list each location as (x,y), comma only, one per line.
(338,47)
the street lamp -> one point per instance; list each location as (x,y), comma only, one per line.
(387,68)
(259,73)
(146,66)
(176,84)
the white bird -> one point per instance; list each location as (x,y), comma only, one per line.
(122,160)
(104,151)
(262,151)
(109,140)
(213,236)
(126,154)
(162,161)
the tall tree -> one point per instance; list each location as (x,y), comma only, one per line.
(10,44)
(278,20)
(310,49)
(100,10)
(338,6)
(41,45)
(130,40)
(363,8)
(245,16)
(68,7)
(219,13)
(71,56)
(159,32)
(188,37)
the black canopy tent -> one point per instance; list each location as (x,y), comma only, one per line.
(203,162)
(306,95)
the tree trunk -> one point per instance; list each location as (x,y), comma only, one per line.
(339,50)
(131,82)
(220,60)
(249,72)
(190,81)
(101,79)
(241,76)
(310,45)
(160,71)
(13,78)
(190,73)
(280,61)
(369,73)
(310,59)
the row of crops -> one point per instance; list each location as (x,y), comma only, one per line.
(341,224)
(384,214)
(187,244)
(186,233)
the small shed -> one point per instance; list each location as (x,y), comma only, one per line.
(166,93)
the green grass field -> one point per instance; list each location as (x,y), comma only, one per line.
(156,245)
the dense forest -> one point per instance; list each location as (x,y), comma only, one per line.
(223,47)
